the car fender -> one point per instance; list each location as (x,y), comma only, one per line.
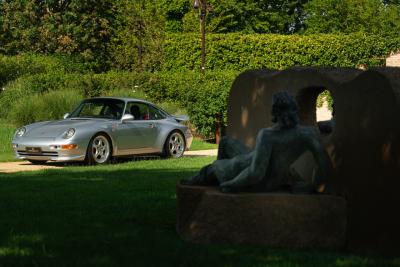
(167,131)
(87,134)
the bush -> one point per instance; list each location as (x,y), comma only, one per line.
(12,67)
(128,92)
(253,51)
(42,107)
(32,85)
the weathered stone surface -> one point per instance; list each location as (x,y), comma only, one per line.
(275,219)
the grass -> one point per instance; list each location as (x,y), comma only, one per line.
(122,215)
(6,134)
(199,144)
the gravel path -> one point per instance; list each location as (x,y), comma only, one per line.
(19,166)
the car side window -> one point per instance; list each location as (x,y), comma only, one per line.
(155,114)
(139,111)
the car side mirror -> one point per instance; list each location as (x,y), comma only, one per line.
(66,115)
(127,117)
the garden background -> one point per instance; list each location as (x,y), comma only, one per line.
(53,53)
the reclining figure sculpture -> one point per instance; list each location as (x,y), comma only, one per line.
(268,167)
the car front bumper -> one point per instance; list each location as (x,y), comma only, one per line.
(47,149)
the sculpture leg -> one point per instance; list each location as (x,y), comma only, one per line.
(205,176)
(229,148)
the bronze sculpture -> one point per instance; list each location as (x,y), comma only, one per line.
(268,167)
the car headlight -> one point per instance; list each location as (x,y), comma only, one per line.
(20,132)
(69,133)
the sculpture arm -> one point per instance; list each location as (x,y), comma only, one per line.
(254,173)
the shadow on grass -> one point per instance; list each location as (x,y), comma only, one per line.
(121,215)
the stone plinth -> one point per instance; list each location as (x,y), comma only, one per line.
(206,215)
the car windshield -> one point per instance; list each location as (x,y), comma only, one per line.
(99,108)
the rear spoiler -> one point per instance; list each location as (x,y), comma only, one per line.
(182,118)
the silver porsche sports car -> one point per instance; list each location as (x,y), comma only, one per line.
(102,128)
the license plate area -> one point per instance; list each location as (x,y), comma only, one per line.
(34,150)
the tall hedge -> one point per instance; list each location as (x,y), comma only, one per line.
(252,51)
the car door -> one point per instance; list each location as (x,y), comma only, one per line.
(138,135)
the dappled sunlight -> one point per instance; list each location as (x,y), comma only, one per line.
(19,238)
(352,261)
(21,245)
(15,251)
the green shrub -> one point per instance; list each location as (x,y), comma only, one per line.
(253,51)
(41,107)
(32,85)
(172,108)
(126,92)
(12,67)
(6,134)
(325,96)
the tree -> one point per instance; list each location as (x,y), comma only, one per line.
(174,10)
(50,26)
(347,16)
(138,44)
(263,16)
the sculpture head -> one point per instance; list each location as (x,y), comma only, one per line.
(284,110)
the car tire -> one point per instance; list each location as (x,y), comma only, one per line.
(99,150)
(175,145)
(37,162)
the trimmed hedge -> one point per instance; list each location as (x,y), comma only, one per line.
(203,97)
(253,51)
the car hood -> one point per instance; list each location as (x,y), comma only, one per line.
(54,129)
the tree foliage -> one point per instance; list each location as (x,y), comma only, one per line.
(130,34)
(58,26)
(348,16)
(276,16)
(138,43)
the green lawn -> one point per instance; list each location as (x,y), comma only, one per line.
(6,134)
(199,144)
(122,215)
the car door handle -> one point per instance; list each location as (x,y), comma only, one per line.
(152,125)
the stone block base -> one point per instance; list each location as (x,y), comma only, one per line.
(206,215)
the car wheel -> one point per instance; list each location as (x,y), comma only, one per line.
(174,146)
(37,162)
(99,150)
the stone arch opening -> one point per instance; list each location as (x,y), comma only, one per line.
(324,106)
(310,114)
